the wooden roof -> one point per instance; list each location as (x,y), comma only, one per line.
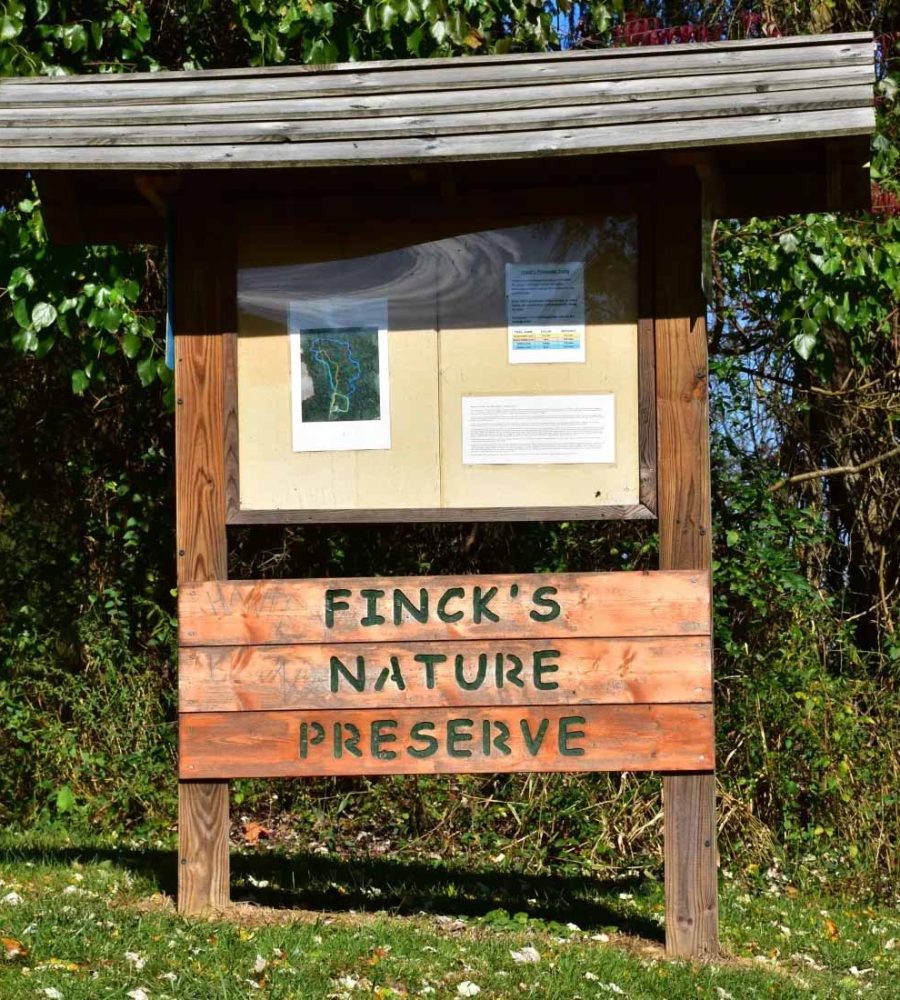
(461,109)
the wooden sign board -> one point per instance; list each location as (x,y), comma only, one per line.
(573,672)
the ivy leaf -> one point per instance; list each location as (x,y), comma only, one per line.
(25,340)
(131,345)
(146,370)
(20,276)
(388,16)
(789,242)
(20,314)
(43,315)
(74,37)
(804,344)
(9,28)
(439,31)
(80,381)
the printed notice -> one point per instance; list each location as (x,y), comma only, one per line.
(533,430)
(339,375)
(545,312)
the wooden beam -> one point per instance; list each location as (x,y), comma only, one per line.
(204,304)
(449,608)
(684,532)
(501,739)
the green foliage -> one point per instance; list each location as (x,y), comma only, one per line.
(42,37)
(314,32)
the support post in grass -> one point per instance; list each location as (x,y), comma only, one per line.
(684,537)
(204,307)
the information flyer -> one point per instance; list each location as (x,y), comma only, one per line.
(537,430)
(340,386)
(545,313)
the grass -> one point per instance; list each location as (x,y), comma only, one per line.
(86,921)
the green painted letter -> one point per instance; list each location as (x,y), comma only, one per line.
(540,668)
(418,733)
(542,601)
(331,605)
(379,737)
(575,734)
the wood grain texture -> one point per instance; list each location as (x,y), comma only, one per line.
(414,76)
(204,303)
(335,108)
(287,744)
(441,123)
(423,674)
(574,605)
(203,863)
(684,531)
(602,512)
(684,133)
(646,364)
(230,444)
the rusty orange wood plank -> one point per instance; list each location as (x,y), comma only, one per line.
(388,675)
(446,741)
(263,612)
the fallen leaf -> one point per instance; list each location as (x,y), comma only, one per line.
(527,956)
(12,948)
(52,992)
(831,929)
(468,989)
(11,899)
(253,831)
(259,965)
(136,960)
(138,994)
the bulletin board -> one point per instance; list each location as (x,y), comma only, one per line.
(440,370)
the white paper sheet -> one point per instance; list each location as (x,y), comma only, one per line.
(536,430)
(545,313)
(340,385)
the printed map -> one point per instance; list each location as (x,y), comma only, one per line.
(340,374)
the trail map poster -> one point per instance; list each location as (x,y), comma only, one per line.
(340,388)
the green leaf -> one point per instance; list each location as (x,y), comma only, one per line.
(732,538)
(25,340)
(43,315)
(439,31)
(9,28)
(65,800)
(804,343)
(370,18)
(146,370)
(80,381)
(131,345)
(788,242)
(20,276)
(111,319)
(74,37)
(388,16)
(20,314)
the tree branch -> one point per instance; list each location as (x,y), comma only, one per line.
(840,470)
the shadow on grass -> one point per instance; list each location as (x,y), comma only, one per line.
(377,884)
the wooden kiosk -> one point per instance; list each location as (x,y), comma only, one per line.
(460,289)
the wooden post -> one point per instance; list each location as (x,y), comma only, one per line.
(684,534)
(204,309)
